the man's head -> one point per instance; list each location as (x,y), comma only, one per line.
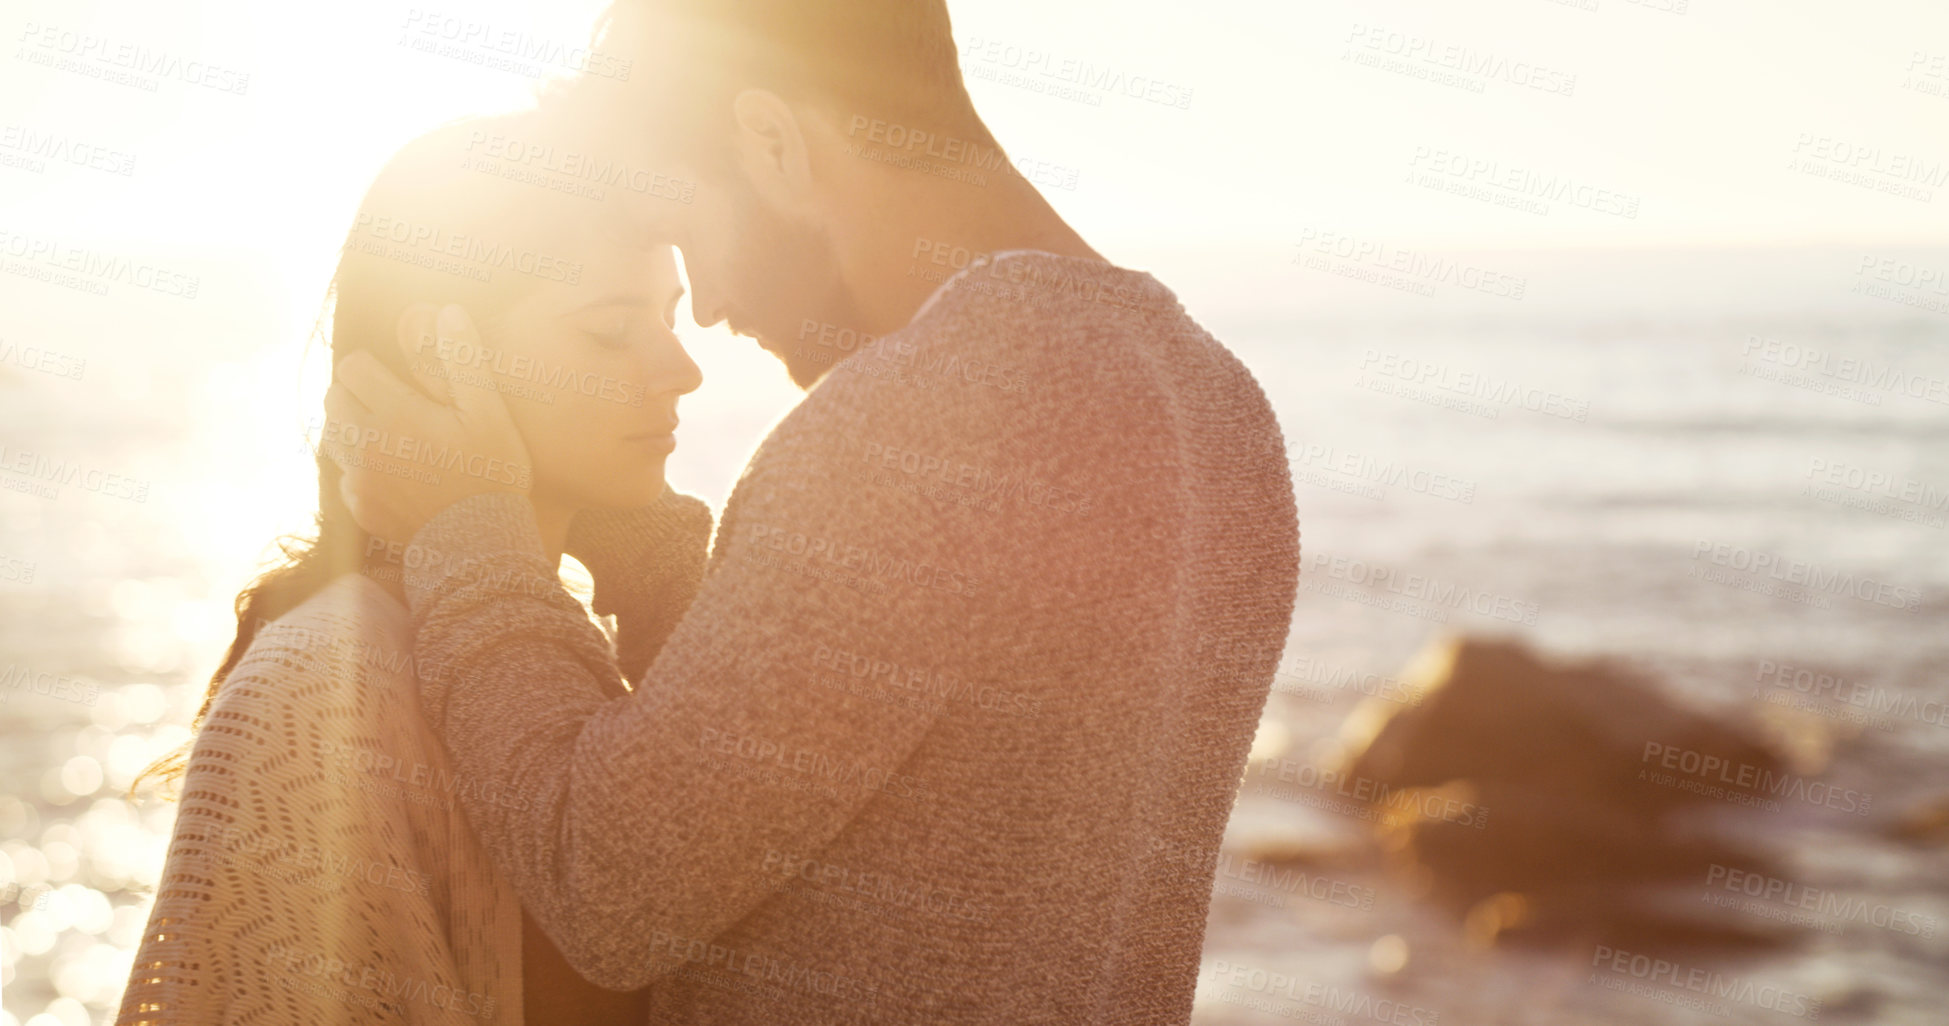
(760,101)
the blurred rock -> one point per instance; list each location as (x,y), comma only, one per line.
(1539,801)
(1493,711)
(1925,823)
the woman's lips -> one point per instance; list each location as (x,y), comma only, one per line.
(665,441)
(659,437)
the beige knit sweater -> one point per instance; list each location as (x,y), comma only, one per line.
(321,869)
(951,731)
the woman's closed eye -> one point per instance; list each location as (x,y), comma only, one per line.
(611,328)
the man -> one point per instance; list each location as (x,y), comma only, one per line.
(951,725)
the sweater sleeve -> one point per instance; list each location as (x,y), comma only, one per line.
(652,814)
(648,563)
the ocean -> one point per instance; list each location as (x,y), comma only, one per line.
(1735,480)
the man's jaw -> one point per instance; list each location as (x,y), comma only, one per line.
(803,373)
(797,370)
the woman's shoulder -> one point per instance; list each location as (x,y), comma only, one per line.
(351,606)
(349,640)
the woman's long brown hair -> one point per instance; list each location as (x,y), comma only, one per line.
(437,179)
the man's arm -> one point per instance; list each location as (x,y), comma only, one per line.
(633,826)
(647,563)
(647,818)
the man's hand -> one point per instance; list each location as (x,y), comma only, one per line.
(406,457)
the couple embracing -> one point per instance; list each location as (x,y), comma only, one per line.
(939,721)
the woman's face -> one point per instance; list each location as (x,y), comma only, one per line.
(591,370)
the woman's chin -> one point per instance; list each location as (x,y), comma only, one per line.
(639,490)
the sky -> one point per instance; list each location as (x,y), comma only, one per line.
(1263,117)
(1207,142)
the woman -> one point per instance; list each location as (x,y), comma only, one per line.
(321,869)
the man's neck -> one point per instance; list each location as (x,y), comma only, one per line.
(908,260)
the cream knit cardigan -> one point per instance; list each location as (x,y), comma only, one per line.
(321,869)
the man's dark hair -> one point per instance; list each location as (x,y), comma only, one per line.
(891,60)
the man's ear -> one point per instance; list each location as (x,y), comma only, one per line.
(771,147)
(418,341)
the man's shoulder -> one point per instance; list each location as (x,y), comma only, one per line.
(1050,364)
(1038,293)
(974,373)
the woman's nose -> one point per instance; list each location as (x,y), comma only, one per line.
(674,370)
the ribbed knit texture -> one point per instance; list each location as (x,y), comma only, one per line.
(951,729)
(321,869)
